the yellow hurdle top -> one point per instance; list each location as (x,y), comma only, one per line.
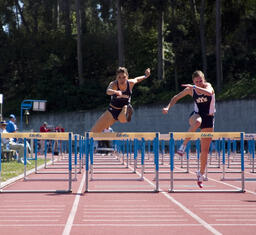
(122,135)
(152,135)
(38,135)
(200,135)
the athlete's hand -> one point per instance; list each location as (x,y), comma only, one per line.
(165,110)
(147,72)
(187,85)
(118,93)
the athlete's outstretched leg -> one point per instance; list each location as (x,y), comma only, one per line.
(105,121)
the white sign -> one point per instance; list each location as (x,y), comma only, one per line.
(1,98)
(39,106)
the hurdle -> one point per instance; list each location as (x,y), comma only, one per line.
(39,135)
(199,135)
(76,139)
(251,149)
(143,136)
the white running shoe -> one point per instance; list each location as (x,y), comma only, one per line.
(200,179)
(181,150)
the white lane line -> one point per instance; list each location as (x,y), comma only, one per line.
(231,212)
(126,206)
(32,225)
(221,205)
(230,185)
(136,225)
(28,212)
(127,209)
(28,216)
(132,216)
(31,209)
(130,200)
(27,220)
(240,220)
(226,209)
(133,212)
(189,212)
(230,216)
(25,206)
(133,220)
(72,213)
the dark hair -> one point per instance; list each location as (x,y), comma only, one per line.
(122,70)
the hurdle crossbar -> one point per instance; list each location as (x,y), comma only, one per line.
(29,135)
(90,137)
(199,135)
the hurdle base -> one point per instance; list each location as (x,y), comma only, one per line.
(206,191)
(121,191)
(36,191)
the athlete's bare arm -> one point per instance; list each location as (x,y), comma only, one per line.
(140,78)
(175,99)
(207,90)
(112,89)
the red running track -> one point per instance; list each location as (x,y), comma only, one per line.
(127,213)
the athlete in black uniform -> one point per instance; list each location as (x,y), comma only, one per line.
(202,117)
(119,108)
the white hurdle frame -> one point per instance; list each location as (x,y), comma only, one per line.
(90,137)
(214,135)
(44,136)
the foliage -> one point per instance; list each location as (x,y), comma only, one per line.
(38,53)
(244,88)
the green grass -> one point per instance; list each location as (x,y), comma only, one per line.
(13,168)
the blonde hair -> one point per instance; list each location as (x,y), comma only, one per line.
(198,73)
(122,70)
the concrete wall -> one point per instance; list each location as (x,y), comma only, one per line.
(230,116)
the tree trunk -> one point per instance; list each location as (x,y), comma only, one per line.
(55,19)
(219,75)
(22,16)
(79,44)
(194,14)
(66,17)
(83,17)
(121,61)
(202,37)
(176,81)
(160,70)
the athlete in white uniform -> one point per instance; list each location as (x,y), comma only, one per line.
(202,117)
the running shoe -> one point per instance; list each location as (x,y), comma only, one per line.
(129,113)
(200,179)
(181,150)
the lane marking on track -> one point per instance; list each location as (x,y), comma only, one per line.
(73,211)
(137,225)
(189,212)
(132,216)
(230,185)
(133,220)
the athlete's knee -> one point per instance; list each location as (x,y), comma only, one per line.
(197,123)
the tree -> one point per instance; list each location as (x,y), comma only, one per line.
(219,76)
(202,37)
(79,44)
(121,59)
